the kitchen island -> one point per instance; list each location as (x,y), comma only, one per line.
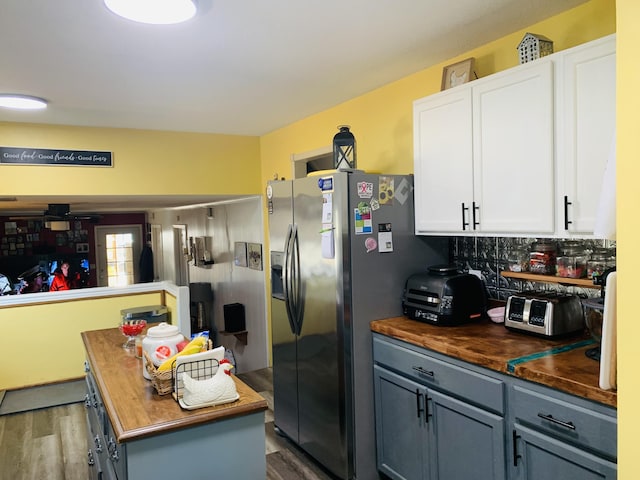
(137,434)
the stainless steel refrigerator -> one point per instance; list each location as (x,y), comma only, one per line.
(342,245)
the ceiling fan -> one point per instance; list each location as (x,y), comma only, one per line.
(58,212)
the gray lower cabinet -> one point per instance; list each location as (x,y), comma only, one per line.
(439,418)
(105,455)
(555,435)
(425,426)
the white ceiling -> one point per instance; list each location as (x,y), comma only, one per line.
(244,67)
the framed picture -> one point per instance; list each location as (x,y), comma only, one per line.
(82,247)
(255,256)
(457,73)
(240,254)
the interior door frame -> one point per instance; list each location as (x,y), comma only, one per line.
(101,232)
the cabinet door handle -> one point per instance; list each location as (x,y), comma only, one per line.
(423,371)
(98,443)
(90,461)
(550,418)
(464,224)
(567,222)
(112,448)
(87,401)
(419,409)
(474,209)
(515,448)
(426,408)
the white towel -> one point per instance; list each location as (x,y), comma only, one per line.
(605,224)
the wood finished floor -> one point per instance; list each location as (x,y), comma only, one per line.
(51,443)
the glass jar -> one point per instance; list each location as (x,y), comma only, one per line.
(572,261)
(518,259)
(542,258)
(602,259)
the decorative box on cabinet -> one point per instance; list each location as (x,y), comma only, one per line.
(428,411)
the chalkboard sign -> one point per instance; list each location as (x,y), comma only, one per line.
(42,156)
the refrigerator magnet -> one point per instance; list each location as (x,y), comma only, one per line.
(403,191)
(327,243)
(327,208)
(370,244)
(385,238)
(385,190)
(365,189)
(362,221)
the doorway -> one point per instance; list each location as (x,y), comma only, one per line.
(118,249)
(180,252)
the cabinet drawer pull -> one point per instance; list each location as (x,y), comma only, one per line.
(550,418)
(423,371)
(87,401)
(112,447)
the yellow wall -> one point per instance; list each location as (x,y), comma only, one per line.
(382,120)
(41,343)
(628,173)
(145,162)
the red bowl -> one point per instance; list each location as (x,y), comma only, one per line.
(131,328)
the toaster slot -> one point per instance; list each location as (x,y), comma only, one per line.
(515,309)
(538,312)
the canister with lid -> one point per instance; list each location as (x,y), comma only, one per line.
(160,343)
(572,261)
(601,259)
(542,258)
(518,258)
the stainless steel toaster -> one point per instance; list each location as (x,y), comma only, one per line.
(547,314)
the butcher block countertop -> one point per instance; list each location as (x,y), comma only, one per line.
(559,364)
(132,404)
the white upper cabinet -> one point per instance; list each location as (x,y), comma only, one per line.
(443,161)
(483,155)
(586,131)
(499,155)
(513,152)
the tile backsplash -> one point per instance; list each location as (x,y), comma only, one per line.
(491,255)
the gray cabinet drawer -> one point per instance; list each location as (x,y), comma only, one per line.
(567,421)
(474,387)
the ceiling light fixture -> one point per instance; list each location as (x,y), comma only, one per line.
(157,12)
(22,102)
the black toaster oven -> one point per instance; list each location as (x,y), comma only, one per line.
(444,296)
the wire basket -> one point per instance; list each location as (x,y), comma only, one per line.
(164,382)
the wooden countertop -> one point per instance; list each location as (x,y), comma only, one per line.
(133,405)
(491,345)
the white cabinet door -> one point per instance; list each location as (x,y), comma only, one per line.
(513,151)
(586,113)
(442,161)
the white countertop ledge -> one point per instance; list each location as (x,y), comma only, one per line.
(86,293)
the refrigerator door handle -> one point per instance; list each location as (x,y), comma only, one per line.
(286,283)
(296,281)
